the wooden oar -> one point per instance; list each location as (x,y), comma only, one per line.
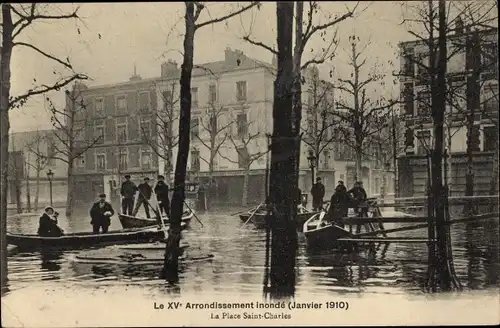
(251,216)
(236,213)
(193,213)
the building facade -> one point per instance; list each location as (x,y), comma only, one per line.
(464,96)
(32,154)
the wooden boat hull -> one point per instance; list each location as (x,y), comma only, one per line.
(130,222)
(86,239)
(326,236)
(258,219)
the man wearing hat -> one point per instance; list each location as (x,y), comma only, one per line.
(48,225)
(101,213)
(161,191)
(128,191)
(317,192)
(145,192)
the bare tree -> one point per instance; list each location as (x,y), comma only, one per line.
(70,141)
(165,140)
(192,24)
(35,148)
(360,116)
(16,168)
(246,144)
(16,18)
(319,132)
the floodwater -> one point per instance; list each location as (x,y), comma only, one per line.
(238,264)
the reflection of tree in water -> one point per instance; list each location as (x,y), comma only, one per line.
(50,259)
(473,254)
(491,259)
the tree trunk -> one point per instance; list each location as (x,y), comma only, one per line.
(6,54)
(494,181)
(450,163)
(282,172)
(359,162)
(244,198)
(443,264)
(37,190)
(17,184)
(171,261)
(28,196)
(70,191)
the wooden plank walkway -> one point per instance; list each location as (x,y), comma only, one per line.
(386,240)
(412,219)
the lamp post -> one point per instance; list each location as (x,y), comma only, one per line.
(312,164)
(50,176)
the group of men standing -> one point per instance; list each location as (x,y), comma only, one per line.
(341,200)
(129,189)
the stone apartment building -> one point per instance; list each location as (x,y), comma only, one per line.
(418,122)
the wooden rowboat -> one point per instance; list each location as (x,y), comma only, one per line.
(258,219)
(320,233)
(86,239)
(129,221)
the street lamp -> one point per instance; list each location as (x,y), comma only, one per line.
(50,176)
(312,164)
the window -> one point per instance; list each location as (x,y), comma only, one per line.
(212,123)
(490,137)
(195,127)
(146,159)
(423,142)
(121,133)
(167,99)
(80,162)
(242,157)
(490,57)
(424,103)
(121,104)
(241,91)
(145,128)
(99,132)
(100,162)
(491,98)
(409,62)
(408,99)
(144,104)
(195,160)
(241,121)
(194,97)
(99,107)
(212,93)
(326,156)
(122,159)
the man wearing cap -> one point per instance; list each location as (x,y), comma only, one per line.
(101,213)
(161,191)
(145,192)
(128,191)
(48,225)
(318,192)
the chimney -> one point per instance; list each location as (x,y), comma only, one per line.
(459,26)
(233,57)
(169,69)
(135,77)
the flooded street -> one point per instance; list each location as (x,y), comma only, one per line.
(238,264)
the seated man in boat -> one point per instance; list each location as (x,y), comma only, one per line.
(161,191)
(48,224)
(101,213)
(359,194)
(145,192)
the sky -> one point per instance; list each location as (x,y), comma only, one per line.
(110,38)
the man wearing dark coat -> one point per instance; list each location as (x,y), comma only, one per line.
(128,191)
(339,205)
(161,191)
(145,192)
(48,225)
(359,194)
(317,192)
(101,213)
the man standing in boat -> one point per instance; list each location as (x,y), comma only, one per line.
(317,193)
(145,192)
(48,225)
(101,213)
(161,191)
(359,193)
(128,191)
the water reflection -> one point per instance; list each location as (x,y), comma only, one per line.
(238,266)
